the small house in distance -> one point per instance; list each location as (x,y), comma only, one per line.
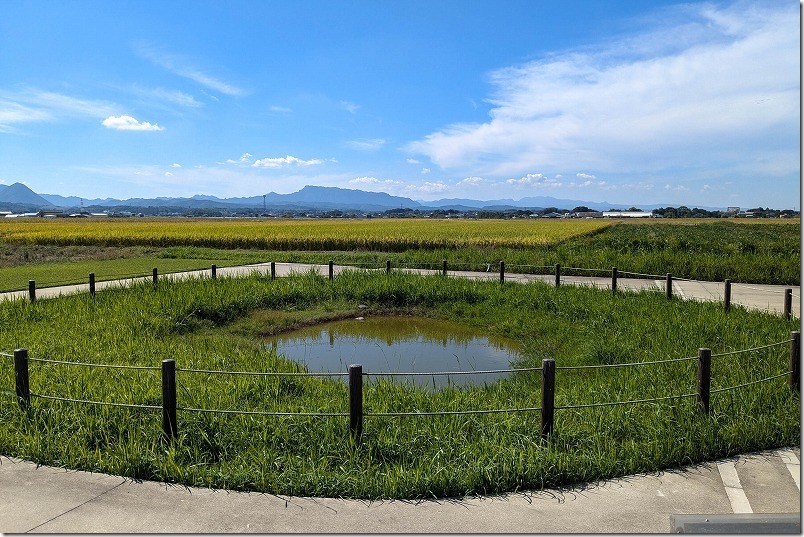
(626,214)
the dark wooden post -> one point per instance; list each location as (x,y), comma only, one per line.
(21,378)
(795,360)
(169,398)
(727,296)
(32,290)
(613,280)
(92,283)
(273,270)
(155,276)
(669,286)
(388,266)
(444,267)
(214,271)
(356,401)
(788,303)
(558,274)
(331,270)
(548,395)
(704,377)
(502,272)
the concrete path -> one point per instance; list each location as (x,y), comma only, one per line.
(768,298)
(53,500)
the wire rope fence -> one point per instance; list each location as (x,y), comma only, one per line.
(355,402)
(597,277)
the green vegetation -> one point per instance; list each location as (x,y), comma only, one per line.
(206,324)
(742,251)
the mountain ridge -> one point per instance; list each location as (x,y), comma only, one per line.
(309,197)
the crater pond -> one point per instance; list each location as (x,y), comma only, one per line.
(399,345)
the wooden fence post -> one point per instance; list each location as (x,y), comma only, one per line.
(548,395)
(613,280)
(214,271)
(795,360)
(558,274)
(92,283)
(788,303)
(155,276)
(356,401)
(444,267)
(273,270)
(169,398)
(331,269)
(21,378)
(388,266)
(669,286)
(502,272)
(32,290)
(704,377)
(727,295)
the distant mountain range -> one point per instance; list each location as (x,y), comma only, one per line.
(19,197)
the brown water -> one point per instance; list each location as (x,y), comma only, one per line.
(399,344)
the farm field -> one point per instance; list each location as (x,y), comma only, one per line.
(747,251)
(225,441)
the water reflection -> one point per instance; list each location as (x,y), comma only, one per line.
(399,344)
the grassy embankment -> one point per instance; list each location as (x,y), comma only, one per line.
(61,252)
(209,324)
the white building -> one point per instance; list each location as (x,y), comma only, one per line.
(626,214)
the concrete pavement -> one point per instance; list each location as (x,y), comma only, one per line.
(53,500)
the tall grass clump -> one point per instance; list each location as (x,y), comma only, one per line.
(214,325)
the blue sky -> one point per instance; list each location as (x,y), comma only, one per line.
(635,102)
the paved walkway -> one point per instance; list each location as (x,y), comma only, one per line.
(53,500)
(752,296)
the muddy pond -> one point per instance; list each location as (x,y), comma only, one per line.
(400,345)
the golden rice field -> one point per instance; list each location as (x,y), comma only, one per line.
(391,235)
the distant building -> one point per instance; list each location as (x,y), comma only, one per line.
(626,214)
(588,214)
(51,214)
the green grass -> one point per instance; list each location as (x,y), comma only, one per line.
(215,325)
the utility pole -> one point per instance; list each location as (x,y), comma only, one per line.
(263,202)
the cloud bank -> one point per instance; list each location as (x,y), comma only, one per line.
(704,87)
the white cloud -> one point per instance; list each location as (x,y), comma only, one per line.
(365,181)
(175,165)
(713,87)
(470,181)
(425,171)
(245,159)
(282,162)
(412,161)
(350,107)
(677,188)
(428,188)
(374,181)
(128,123)
(366,144)
(34,105)
(177,97)
(184,66)
(280,109)
(585,176)
(11,112)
